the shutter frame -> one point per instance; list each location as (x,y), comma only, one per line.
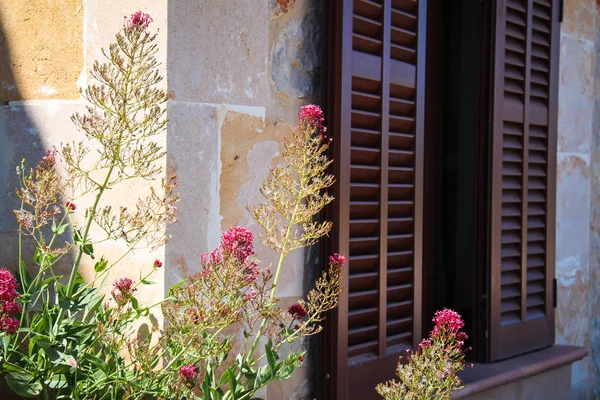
(350,73)
(522,241)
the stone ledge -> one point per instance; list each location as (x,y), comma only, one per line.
(483,377)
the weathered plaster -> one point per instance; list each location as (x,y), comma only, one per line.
(295,60)
(193,154)
(41,49)
(218,51)
(576,93)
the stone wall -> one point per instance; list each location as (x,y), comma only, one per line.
(576,264)
(594,322)
(49,47)
(237,75)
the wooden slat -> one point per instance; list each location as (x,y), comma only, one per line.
(523,175)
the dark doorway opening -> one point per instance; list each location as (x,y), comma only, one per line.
(456,135)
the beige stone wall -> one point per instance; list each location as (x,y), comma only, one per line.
(46,47)
(41,49)
(237,75)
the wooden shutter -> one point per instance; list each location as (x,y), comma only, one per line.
(524,176)
(376,95)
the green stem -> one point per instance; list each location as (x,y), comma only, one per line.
(282,256)
(86,231)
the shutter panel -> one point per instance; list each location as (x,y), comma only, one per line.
(376,95)
(524,176)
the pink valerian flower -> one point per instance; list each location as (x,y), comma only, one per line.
(8,305)
(425,343)
(238,242)
(251,295)
(123,290)
(448,321)
(297,311)
(8,286)
(157,264)
(337,260)
(312,115)
(188,374)
(301,358)
(138,20)
(49,160)
(11,307)
(205,273)
(252,271)
(10,325)
(195,315)
(70,206)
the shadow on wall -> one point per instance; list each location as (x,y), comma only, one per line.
(19,139)
(12,119)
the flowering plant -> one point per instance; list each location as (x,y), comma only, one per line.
(234,292)
(430,371)
(67,338)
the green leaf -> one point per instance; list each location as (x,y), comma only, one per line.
(57,381)
(61,229)
(23,384)
(101,265)
(271,357)
(88,249)
(77,236)
(175,287)
(38,256)
(147,282)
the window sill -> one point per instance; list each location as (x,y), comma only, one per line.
(483,377)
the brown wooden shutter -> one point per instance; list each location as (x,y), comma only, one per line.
(524,176)
(376,64)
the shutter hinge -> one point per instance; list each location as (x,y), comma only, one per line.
(561,8)
(555,293)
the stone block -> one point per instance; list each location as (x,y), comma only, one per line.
(576,95)
(41,49)
(218,51)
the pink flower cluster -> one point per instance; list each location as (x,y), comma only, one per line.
(450,322)
(10,307)
(138,20)
(238,241)
(337,260)
(297,311)
(49,160)
(312,115)
(188,374)
(236,245)
(195,315)
(123,290)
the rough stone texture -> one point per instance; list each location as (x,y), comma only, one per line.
(219,51)
(193,154)
(576,249)
(579,19)
(295,67)
(553,384)
(595,225)
(41,49)
(576,105)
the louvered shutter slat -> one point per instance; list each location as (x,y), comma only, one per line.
(379,168)
(522,231)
